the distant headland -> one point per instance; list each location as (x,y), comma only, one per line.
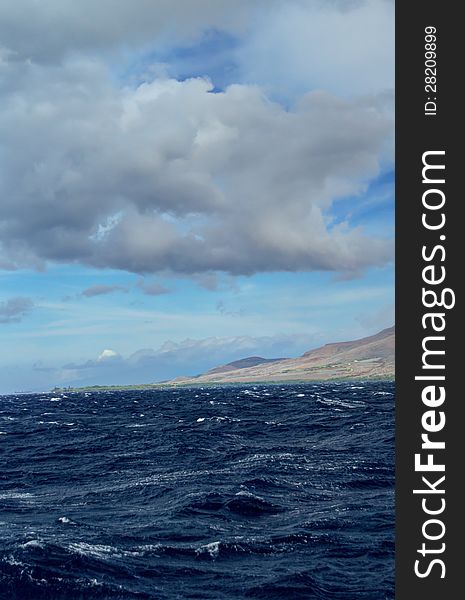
(366,358)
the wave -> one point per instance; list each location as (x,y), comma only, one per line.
(277,492)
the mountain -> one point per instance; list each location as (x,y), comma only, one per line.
(366,358)
(243,363)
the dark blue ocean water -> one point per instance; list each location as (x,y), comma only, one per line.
(216,493)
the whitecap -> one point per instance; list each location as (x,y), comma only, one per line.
(95,550)
(338,402)
(150,547)
(11,560)
(16,496)
(213,549)
(33,544)
(200,419)
(66,521)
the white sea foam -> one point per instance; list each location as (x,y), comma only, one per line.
(11,560)
(94,583)
(95,550)
(200,419)
(16,496)
(150,547)
(337,402)
(213,549)
(33,544)
(66,520)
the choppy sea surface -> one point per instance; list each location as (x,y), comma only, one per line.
(266,491)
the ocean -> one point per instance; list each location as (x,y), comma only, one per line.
(241,491)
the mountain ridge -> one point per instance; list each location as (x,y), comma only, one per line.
(242,363)
(369,357)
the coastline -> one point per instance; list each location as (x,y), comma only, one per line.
(192,384)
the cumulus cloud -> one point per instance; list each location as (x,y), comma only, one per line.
(14,309)
(107,355)
(100,290)
(170,176)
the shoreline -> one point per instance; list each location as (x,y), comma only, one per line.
(150,386)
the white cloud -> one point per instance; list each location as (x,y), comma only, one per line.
(344,47)
(107,355)
(199,182)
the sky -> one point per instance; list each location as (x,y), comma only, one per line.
(188,182)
